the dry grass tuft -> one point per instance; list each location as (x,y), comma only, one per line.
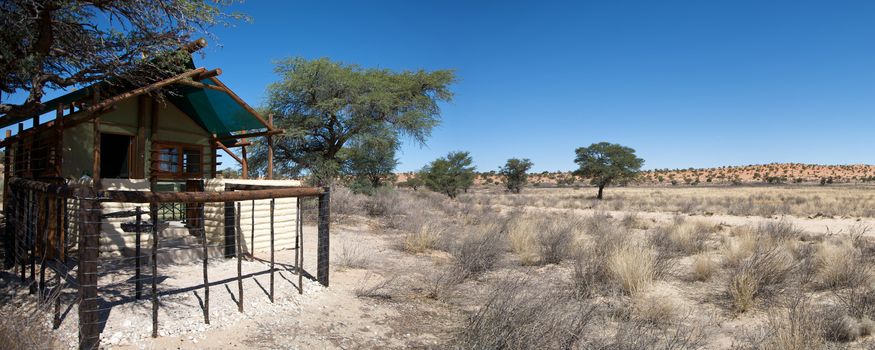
(423,238)
(521,233)
(764,271)
(520,316)
(798,327)
(556,239)
(683,237)
(350,256)
(632,267)
(703,267)
(739,246)
(480,250)
(840,265)
(654,309)
(24,326)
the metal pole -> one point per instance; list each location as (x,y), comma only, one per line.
(299,242)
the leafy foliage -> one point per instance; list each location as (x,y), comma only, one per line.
(64,43)
(515,173)
(324,105)
(370,159)
(605,163)
(450,175)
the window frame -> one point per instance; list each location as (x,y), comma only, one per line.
(181,166)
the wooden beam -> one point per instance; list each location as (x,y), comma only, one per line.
(208,74)
(222,146)
(153,176)
(200,85)
(242,103)
(59,138)
(255,134)
(207,197)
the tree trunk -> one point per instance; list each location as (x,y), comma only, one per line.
(601,189)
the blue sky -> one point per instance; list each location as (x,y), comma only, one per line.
(685,83)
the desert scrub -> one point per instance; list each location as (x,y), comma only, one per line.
(841,265)
(682,237)
(556,238)
(764,271)
(521,230)
(517,315)
(632,267)
(480,250)
(703,267)
(423,238)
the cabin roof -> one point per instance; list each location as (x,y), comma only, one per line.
(204,98)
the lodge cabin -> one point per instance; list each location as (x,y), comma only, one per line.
(163,137)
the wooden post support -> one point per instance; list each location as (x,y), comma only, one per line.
(89,236)
(299,245)
(140,163)
(270,150)
(31,239)
(9,234)
(59,139)
(239,240)
(271,248)
(138,281)
(59,245)
(206,262)
(153,178)
(230,230)
(252,230)
(244,165)
(96,160)
(153,214)
(323,237)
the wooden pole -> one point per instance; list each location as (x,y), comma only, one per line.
(299,245)
(230,229)
(96,160)
(239,240)
(206,260)
(271,248)
(270,150)
(7,211)
(89,314)
(59,245)
(153,177)
(153,213)
(59,139)
(137,252)
(252,230)
(140,166)
(323,239)
(244,163)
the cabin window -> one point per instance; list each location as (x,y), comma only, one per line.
(179,160)
(115,156)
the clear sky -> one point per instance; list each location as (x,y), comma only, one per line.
(686,83)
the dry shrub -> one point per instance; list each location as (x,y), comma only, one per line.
(858,302)
(632,267)
(838,326)
(24,326)
(522,316)
(423,238)
(797,327)
(345,204)
(684,237)
(439,283)
(681,334)
(556,239)
(351,256)
(840,265)
(765,271)
(591,274)
(654,309)
(631,220)
(480,250)
(703,267)
(598,224)
(740,246)
(521,232)
(383,288)
(780,231)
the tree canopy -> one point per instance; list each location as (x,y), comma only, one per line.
(605,163)
(515,173)
(324,105)
(370,159)
(449,175)
(56,44)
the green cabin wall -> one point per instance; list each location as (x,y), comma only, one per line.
(173,126)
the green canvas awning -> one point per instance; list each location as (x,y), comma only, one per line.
(213,109)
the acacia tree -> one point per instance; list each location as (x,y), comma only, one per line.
(323,105)
(449,175)
(370,158)
(605,163)
(56,44)
(515,173)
